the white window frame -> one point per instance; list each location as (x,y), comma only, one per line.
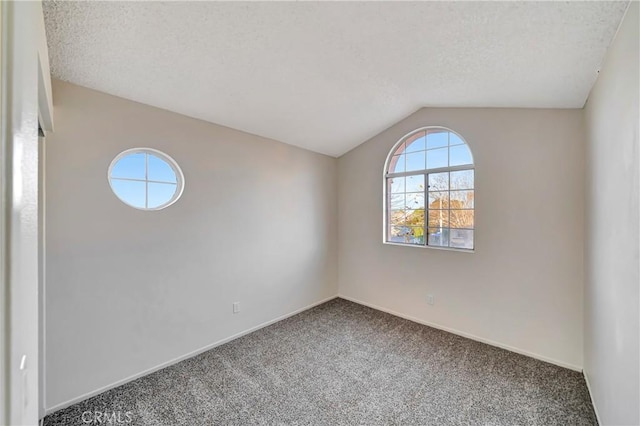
(170,161)
(426,172)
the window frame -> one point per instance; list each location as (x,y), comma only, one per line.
(425,172)
(162,156)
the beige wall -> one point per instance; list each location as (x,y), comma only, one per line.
(611,321)
(522,288)
(129,290)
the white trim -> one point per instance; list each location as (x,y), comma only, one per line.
(45,94)
(436,170)
(5,181)
(46,122)
(464,334)
(45,100)
(593,402)
(184,357)
(463,250)
(22,38)
(42,287)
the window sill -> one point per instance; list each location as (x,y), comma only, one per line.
(457,250)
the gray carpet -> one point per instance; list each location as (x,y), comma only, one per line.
(344,364)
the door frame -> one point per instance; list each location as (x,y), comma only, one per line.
(26,103)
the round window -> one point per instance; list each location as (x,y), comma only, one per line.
(146,179)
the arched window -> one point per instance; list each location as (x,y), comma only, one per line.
(429,190)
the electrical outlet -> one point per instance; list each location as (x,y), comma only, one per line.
(236,307)
(430,299)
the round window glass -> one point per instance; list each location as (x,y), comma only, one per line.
(146,179)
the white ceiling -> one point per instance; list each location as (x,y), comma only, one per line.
(327,76)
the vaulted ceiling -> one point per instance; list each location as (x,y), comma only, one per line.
(327,76)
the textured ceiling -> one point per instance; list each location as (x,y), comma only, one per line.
(327,76)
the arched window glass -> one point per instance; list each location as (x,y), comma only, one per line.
(429,190)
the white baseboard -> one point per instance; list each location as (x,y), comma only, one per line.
(280,318)
(464,334)
(182,358)
(593,402)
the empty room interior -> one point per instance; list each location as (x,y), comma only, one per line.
(265,213)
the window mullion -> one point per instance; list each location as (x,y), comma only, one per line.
(448,190)
(438,170)
(146,180)
(449,212)
(426,208)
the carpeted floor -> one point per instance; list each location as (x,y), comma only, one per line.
(344,364)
